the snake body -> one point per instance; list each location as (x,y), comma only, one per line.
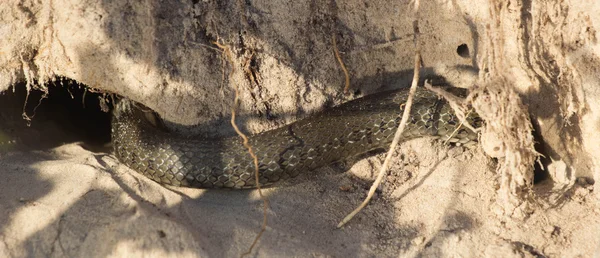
(353,128)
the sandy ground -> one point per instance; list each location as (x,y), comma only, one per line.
(63,194)
(65,200)
(438,202)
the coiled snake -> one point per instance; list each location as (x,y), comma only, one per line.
(353,128)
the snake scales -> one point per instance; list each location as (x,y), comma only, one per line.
(353,128)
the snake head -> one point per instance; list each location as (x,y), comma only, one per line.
(126,108)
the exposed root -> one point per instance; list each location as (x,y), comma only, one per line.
(229,56)
(507,135)
(339,58)
(457,104)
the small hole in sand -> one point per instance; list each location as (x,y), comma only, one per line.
(463,51)
(540,169)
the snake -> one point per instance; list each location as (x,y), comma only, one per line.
(354,128)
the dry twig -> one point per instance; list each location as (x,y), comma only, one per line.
(405,116)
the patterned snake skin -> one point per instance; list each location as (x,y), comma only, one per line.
(353,128)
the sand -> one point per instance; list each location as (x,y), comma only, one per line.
(63,194)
